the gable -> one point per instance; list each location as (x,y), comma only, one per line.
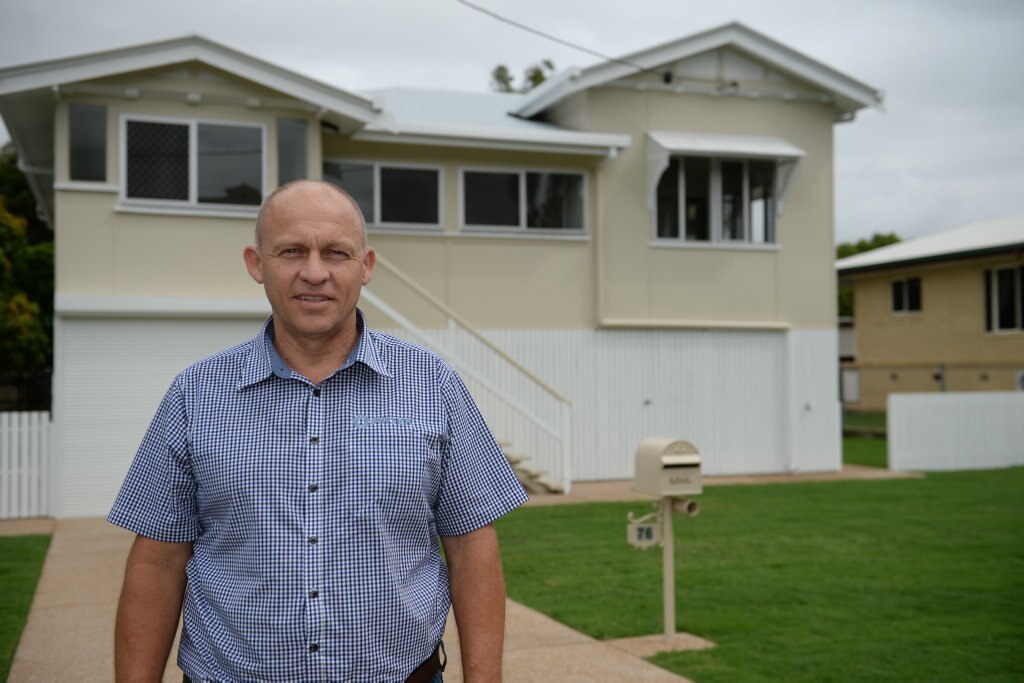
(723,62)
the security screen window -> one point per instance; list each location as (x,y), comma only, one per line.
(409,195)
(491,198)
(761,181)
(356,179)
(230,164)
(291,150)
(906,295)
(732,200)
(554,201)
(697,182)
(717,200)
(157,160)
(668,202)
(87,134)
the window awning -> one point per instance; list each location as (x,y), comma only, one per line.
(663,145)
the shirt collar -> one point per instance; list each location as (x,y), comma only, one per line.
(265,360)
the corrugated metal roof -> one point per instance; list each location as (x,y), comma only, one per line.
(967,239)
(472,115)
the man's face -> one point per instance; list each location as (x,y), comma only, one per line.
(312,263)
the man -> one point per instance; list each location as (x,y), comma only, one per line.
(290,491)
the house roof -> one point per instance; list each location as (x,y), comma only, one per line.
(56,72)
(974,239)
(848,94)
(445,117)
(28,105)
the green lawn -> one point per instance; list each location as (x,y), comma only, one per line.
(870,420)
(900,580)
(21,561)
(865,451)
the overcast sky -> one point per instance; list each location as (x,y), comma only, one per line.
(948,148)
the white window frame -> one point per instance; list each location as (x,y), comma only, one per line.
(192,203)
(377,222)
(993,299)
(716,229)
(906,295)
(522,229)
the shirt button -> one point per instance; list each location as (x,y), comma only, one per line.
(313,488)
(314,439)
(316,392)
(312,540)
(314,647)
(314,594)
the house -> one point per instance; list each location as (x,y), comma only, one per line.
(941,312)
(637,248)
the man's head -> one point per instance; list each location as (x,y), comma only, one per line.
(312,258)
(287,186)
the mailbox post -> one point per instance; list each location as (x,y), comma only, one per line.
(669,469)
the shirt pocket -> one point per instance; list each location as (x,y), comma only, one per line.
(393,469)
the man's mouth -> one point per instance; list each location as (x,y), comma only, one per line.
(312,298)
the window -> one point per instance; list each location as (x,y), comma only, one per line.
(194,163)
(906,295)
(523,200)
(1004,299)
(291,150)
(389,194)
(87,142)
(704,199)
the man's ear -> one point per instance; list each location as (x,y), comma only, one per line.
(253,263)
(369,259)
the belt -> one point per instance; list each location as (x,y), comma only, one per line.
(426,671)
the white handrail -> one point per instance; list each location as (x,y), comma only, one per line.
(561,433)
(468,326)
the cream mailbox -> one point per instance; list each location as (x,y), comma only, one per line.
(667,467)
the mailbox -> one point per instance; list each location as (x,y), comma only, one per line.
(667,467)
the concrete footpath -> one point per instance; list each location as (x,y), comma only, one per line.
(69,633)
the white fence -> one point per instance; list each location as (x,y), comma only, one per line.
(956,431)
(24,463)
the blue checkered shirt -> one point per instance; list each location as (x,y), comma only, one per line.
(314,510)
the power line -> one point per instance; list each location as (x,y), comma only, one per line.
(556,39)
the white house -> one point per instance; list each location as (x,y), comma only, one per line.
(651,239)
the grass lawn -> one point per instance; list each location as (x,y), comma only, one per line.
(21,561)
(865,451)
(868,420)
(915,580)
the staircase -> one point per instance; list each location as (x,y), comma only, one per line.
(514,400)
(532,479)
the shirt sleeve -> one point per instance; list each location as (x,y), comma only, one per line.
(477,482)
(157,498)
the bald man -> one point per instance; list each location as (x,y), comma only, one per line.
(290,492)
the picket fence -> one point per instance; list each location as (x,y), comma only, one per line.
(24,464)
(956,430)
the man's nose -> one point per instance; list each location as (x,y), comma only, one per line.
(314,270)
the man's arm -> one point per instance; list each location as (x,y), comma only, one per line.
(478,598)
(147,614)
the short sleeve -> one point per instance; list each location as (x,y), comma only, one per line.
(157,498)
(478,485)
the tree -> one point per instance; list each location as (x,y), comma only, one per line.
(18,196)
(845,249)
(502,79)
(26,288)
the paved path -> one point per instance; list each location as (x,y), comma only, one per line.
(68,636)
